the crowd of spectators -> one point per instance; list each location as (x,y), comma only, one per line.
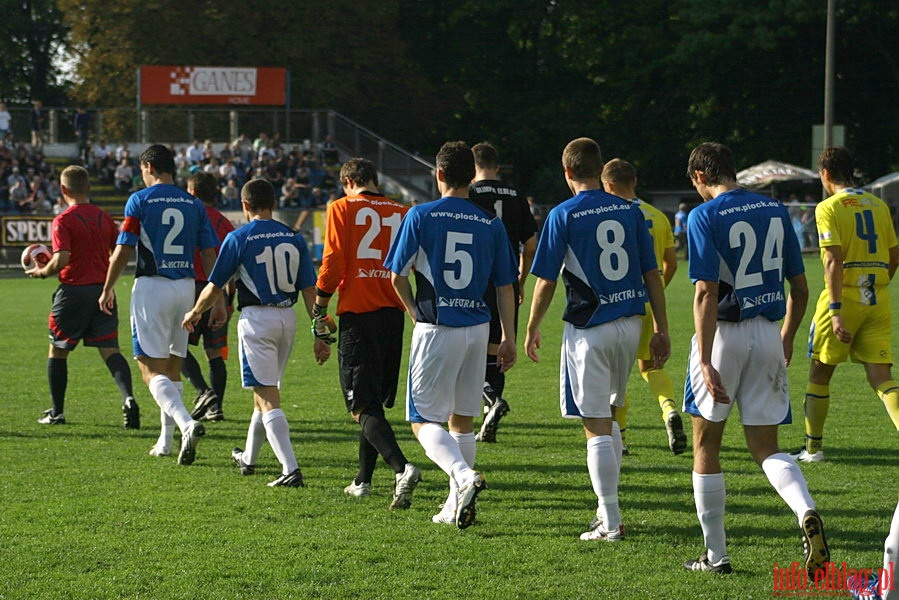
(28,183)
(304,176)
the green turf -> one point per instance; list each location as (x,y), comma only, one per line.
(86,513)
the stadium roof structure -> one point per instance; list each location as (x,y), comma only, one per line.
(772,172)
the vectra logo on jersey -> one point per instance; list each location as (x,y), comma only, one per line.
(373,273)
(443,302)
(620,296)
(762,299)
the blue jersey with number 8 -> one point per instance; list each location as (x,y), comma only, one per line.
(271,262)
(744,242)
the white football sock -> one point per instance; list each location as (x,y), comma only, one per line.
(890,552)
(166,430)
(787,479)
(603,468)
(278,433)
(709,495)
(168,398)
(467,446)
(617,442)
(441,448)
(255,438)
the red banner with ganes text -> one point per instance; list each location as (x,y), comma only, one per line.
(213,85)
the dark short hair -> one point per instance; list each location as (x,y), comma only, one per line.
(619,171)
(360,171)
(485,155)
(76,180)
(583,157)
(160,157)
(838,162)
(259,194)
(457,163)
(716,162)
(204,186)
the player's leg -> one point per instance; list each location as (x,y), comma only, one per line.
(709,495)
(496,405)
(661,386)
(218,380)
(66,325)
(267,400)
(190,368)
(890,555)
(58,378)
(619,413)
(603,466)
(872,346)
(121,374)
(881,379)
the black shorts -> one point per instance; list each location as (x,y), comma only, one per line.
(496,328)
(212,338)
(369,351)
(76,315)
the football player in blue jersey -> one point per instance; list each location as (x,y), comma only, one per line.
(602,247)
(741,251)
(166,225)
(272,265)
(455,248)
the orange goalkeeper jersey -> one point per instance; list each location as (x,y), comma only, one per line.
(358,235)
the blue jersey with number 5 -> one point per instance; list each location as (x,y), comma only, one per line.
(270,260)
(166,224)
(604,245)
(744,241)
(455,248)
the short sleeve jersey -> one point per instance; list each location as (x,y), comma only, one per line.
(89,235)
(506,203)
(271,262)
(222,227)
(745,243)
(455,248)
(602,246)
(659,228)
(167,225)
(360,230)
(860,223)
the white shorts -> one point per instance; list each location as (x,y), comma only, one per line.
(158,305)
(750,358)
(595,366)
(265,338)
(446,372)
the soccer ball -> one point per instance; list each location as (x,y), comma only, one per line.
(35,256)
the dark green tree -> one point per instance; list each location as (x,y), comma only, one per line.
(32,33)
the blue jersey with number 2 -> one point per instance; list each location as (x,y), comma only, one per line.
(744,241)
(271,262)
(456,248)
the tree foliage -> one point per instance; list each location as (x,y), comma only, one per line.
(31,33)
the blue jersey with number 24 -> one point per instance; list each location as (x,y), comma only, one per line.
(271,262)
(744,241)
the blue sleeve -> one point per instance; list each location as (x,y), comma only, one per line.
(704,260)
(551,248)
(227,261)
(404,247)
(132,209)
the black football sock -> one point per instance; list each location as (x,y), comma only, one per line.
(218,377)
(494,376)
(121,374)
(190,368)
(58,375)
(379,433)
(368,458)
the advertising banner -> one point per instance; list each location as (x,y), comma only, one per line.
(213,85)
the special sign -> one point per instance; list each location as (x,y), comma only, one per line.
(213,85)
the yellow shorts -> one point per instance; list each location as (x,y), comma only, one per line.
(872,340)
(645,335)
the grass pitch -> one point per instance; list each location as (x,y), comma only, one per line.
(88,514)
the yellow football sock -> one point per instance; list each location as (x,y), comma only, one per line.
(621,417)
(889,393)
(661,387)
(817,402)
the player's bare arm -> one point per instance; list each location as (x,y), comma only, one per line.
(833,280)
(543,296)
(528,250)
(210,296)
(117,262)
(660,343)
(57,263)
(705,320)
(219,315)
(797,301)
(506,355)
(404,291)
(669,265)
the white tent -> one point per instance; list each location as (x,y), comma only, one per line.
(886,188)
(772,172)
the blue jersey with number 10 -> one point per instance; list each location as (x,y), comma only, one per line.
(604,245)
(456,248)
(271,262)
(745,243)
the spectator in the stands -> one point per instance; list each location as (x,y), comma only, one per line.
(231,194)
(124,175)
(195,153)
